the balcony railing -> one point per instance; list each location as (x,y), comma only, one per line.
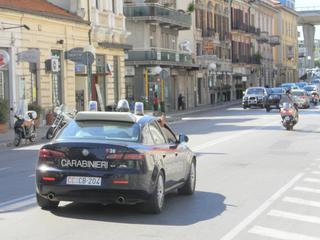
(245,59)
(274,40)
(160,55)
(263,38)
(154,11)
(246,28)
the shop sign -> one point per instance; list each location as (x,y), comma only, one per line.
(31,56)
(55,64)
(4,58)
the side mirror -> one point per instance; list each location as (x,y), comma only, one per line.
(183,138)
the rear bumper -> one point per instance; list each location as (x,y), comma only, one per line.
(138,189)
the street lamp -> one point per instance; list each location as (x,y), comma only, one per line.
(14,26)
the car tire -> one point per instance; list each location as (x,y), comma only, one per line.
(46,204)
(190,184)
(156,202)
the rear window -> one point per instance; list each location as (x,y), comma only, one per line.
(101,130)
(276,91)
(310,88)
(257,91)
(298,93)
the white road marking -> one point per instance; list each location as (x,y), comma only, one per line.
(248,220)
(294,216)
(306,189)
(227,138)
(273,233)
(17,201)
(302,201)
(32,175)
(315,172)
(313,180)
(3,169)
(32,147)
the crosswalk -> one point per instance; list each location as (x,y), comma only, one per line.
(294,216)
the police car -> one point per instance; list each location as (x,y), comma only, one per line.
(114,157)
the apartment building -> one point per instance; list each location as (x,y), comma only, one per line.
(159,65)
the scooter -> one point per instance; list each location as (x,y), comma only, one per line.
(25,128)
(289,115)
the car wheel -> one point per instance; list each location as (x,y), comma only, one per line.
(190,184)
(46,204)
(156,202)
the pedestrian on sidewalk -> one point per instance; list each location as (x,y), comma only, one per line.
(155,102)
(180,102)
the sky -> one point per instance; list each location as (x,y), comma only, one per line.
(309,3)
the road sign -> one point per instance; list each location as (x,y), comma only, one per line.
(31,56)
(74,55)
(4,58)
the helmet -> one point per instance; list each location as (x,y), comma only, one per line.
(123,106)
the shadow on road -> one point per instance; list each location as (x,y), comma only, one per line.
(179,210)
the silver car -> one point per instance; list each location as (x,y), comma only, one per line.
(301,98)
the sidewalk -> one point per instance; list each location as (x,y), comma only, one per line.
(6,139)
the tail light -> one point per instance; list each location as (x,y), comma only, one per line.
(132,160)
(287,112)
(50,157)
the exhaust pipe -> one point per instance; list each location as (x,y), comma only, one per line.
(121,200)
(51,196)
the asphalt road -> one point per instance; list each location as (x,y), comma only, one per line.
(255,181)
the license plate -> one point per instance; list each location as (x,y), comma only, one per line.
(287,118)
(84,181)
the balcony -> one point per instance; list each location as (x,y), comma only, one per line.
(245,59)
(156,12)
(246,28)
(274,40)
(160,57)
(263,38)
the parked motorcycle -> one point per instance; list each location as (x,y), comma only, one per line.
(24,127)
(289,115)
(60,121)
(314,98)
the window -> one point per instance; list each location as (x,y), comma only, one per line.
(97,4)
(156,134)
(169,134)
(146,136)
(101,130)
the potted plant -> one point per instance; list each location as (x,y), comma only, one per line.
(37,108)
(191,7)
(4,115)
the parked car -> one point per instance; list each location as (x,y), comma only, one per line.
(254,96)
(274,97)
(114,157)
(301,98)
(311,88)
(316,82)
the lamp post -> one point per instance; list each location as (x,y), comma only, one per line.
(309,71)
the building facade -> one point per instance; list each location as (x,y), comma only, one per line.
(287,57)
(36,35)
(159,66)
(107,38)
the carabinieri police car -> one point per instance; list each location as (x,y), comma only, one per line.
(114,157)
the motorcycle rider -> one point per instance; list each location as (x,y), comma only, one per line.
(288,98)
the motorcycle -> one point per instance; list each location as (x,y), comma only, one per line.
(25,128)
(289,115)
(60,121)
